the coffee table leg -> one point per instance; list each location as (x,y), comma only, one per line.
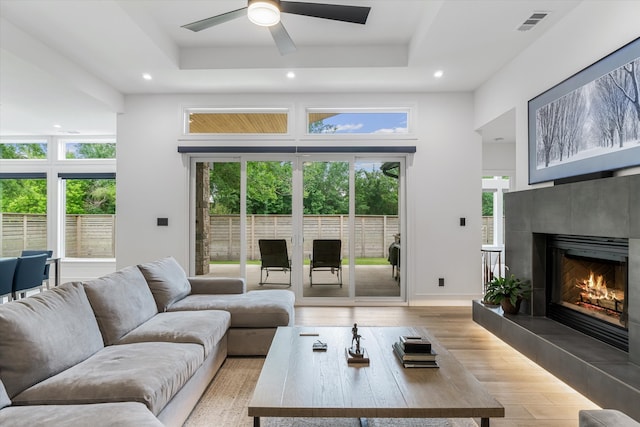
(256,421)
(364,422)
(484,422)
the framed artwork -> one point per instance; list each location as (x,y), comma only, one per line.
(590,122)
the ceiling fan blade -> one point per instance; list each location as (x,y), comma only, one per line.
(203,24)
(345,13)
(282,39)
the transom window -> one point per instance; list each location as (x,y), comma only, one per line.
(225,121)
(23,150)
(79,149)
(360,122)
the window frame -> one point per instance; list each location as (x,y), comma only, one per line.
(288,110)
(52,166)
(410,111)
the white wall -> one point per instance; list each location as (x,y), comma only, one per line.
(498,158)
(591,31)
(443,182)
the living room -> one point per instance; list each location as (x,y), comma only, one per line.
(449,146)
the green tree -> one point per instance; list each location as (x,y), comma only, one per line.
(23,151)
(93,151)
(91,196)
(26,196)
(224,180)
(269,188)
(376,193)
(321,127)
(487,204)
(326,188)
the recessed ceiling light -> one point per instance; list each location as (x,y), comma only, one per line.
(291,75)
(438,74)
(147,76)
(57,126)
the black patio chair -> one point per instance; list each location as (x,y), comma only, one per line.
(326,256)
(274,257)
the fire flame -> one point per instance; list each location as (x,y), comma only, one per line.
(595,287)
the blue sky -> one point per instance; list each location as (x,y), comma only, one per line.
(368,123)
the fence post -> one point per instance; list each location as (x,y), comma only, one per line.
(384,234)
(79,249)
(113,235)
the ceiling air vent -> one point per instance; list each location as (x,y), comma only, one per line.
(532,21)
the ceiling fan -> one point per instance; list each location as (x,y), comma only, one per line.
(266,13)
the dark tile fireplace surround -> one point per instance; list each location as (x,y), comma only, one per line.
(605,209)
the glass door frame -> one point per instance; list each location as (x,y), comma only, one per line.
(296,240)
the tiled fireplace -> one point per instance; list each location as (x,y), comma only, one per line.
(587,286)
(579,246)
(605,209)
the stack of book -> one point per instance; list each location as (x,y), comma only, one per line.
(415,352)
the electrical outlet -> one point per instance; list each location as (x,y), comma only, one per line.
(441,281)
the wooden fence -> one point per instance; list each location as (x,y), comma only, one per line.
(487,230)
(374,234)
(93,236)
(86,236)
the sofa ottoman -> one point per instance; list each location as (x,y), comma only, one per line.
(255,315)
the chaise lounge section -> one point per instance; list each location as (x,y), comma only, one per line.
(146,340)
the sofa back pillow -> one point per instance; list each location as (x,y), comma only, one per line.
(167,280)
(45,334)
(4,399)
(121,301)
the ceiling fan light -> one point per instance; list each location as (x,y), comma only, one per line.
(263,13)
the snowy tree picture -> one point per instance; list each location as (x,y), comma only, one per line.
(598,118)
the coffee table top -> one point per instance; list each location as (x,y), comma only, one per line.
(297,382)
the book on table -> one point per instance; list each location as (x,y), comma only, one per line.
(415,344)
(415,360)
(406,356)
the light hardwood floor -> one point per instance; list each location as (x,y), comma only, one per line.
(531,396)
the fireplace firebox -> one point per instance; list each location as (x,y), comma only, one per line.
(587,286)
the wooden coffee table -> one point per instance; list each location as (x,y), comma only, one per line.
(298,382)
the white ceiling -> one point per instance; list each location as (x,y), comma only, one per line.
(70,62)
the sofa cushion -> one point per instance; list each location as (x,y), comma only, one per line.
(605,418)
(4,399)
(167,280)
(124,414)
(205,327)
(45,334)
(255,309)
(149,373)
(121,301)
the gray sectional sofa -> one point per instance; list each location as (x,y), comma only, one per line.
(135,348)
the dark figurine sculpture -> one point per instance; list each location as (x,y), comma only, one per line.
(356,339)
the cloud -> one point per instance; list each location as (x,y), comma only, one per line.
(392,130)
(349,127)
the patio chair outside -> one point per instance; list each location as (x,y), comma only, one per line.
(274,257)
(326,256)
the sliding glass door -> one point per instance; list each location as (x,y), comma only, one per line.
(268,224)
(329,226)
(377,242)
(326,224)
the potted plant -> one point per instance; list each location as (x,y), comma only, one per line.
(508,292)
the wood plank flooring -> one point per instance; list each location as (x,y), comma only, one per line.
(531,396)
